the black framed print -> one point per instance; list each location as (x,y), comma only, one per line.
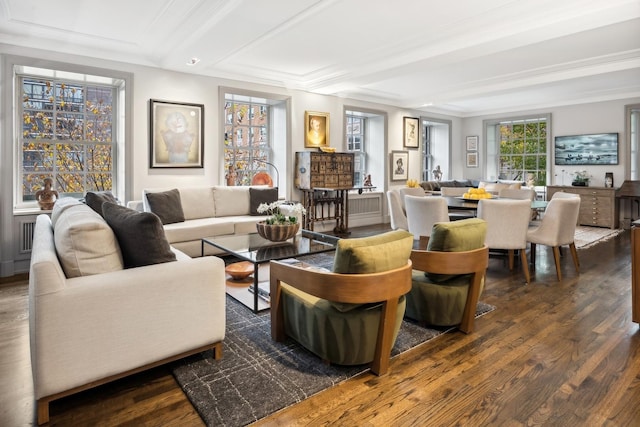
(411,130)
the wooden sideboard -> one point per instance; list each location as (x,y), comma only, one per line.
(598,205)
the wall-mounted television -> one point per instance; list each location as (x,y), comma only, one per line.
(593,149)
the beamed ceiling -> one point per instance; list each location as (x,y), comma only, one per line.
(459,57)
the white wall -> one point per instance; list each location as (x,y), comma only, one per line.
(151,83)
(597,117)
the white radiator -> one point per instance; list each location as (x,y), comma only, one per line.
(26,228)
(365,205)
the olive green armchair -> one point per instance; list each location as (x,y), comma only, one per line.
(351,315)
(448,277)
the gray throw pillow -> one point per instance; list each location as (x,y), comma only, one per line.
(140,236)
(261,195)
(95,199)
(167,205)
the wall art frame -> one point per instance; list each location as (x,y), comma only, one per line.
(399,165)
(176,134)
(472,160)
(472,143)
(411,132)
(316,129)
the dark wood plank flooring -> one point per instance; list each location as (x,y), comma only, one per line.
(552,353)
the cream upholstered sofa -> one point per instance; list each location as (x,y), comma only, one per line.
(94,316)
(206,212)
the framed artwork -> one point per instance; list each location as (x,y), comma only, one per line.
(176,134)
(316,129)
(411,129)
(472,160)
(399,165)
(472,143)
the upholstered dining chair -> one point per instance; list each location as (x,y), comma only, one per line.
(410,191)
(397,214)
(557,228)
(517,193)
(507,226)
(352,315)
(564,195)
(448,278)
(422,213)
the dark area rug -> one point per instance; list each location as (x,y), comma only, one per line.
(257,376)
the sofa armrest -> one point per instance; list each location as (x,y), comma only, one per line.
(101,325)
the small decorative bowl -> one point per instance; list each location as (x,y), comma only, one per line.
(239,270)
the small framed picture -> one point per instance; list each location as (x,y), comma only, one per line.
(399,165)
(411,129)
(472,143)
(316,128)
(472,160)
(176,134)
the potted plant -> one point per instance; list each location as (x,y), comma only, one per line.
(581,178)
(279,227)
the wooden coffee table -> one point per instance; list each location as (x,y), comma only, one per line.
(259,251)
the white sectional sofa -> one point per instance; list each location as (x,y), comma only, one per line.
(208,212)
(95,317)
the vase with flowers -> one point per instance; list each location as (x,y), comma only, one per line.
(282,223)
(581,178)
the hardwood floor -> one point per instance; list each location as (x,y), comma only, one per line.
(552,353)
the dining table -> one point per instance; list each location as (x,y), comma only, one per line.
(457,203)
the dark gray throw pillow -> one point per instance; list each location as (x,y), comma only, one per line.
(167,205)
(140,236)
(261,195)
(95,199)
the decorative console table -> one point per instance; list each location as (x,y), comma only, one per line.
(598,205)
(325,180)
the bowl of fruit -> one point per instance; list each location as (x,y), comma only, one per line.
(475,194)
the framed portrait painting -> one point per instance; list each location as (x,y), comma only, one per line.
(176,134)
(399,165)
(411,129)
(316,129)
(472,160)
(472,143)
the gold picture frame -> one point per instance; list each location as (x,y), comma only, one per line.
(316,129)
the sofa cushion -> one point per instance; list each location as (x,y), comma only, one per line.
(196,229)
(167,205)
(61,205)
(257,196)
(456,236)
(231,200)
(95,199)
(140,235)
(197,202)
(85,244)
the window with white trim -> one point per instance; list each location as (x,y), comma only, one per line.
(355,137)
(517,149)
(246,139)
(67,127)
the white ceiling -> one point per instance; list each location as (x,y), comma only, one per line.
(464,57)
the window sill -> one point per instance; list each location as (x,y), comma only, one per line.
(29,211)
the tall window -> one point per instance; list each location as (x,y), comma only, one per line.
(246,139)
(67,129)
(427,157)
(355,137)
(521,149)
